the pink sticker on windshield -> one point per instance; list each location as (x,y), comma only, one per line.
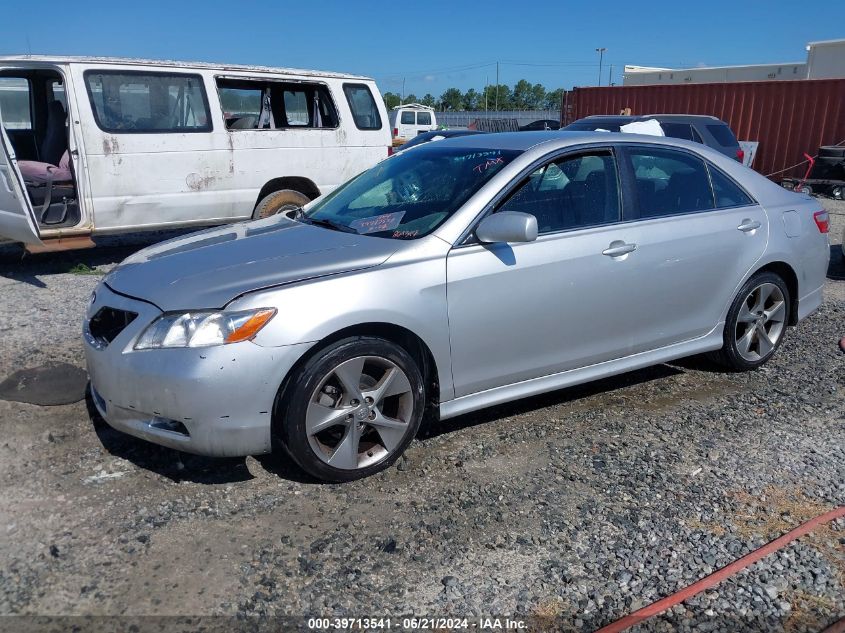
(376,224)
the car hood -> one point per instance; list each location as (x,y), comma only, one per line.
(211,268)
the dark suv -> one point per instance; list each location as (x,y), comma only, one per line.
(707,130)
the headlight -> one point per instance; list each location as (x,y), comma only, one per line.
(202,329)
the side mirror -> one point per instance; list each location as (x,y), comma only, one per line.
(507,226)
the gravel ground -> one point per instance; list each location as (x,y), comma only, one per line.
(571,509)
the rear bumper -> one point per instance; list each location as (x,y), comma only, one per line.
(211,401)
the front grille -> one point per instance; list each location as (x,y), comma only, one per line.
(108,323)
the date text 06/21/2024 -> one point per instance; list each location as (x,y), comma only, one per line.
(416,623)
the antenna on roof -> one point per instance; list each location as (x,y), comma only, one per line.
(28,46)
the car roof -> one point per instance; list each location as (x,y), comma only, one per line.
(641,117)
(521,141)
(559,139)
(169,63)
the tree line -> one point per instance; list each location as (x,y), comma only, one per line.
(522,96)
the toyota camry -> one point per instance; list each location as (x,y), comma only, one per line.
(463,274)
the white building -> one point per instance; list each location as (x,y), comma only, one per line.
(825,60)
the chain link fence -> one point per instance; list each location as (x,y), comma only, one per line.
(522,117)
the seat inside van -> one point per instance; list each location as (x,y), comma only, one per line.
(32,104)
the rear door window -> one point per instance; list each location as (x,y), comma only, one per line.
(423,118)
(668,182)
(16,103)
(146,102)
(723,135)
(726,191)
(363,106)
(407,118)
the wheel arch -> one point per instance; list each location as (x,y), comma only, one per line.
(787,273)
(301,184)
(405,338)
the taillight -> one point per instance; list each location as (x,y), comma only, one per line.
(390,150)
(740,155)
(822,221)
(396,131)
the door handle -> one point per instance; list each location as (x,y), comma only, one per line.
(749,225)
(618,248)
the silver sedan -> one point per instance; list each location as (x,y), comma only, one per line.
(463,274)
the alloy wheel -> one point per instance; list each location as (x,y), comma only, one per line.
(359,413)
(760,322)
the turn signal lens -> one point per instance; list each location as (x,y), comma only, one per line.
(251,326)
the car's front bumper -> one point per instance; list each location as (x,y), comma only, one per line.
(210,401)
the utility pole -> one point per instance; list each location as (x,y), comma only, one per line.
(610,76)
(402,100)
(600,51)
(486,85)
(497,86)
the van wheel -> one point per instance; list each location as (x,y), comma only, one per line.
(756,323)
(284,201)
(351,410)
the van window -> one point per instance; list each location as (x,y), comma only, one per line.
(407,118)
(296,107)
(241,105)
(147,102)
(423,118)
(271,105)
(363,107)
(669,182)
(15,103)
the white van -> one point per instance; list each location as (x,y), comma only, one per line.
(411,119)
(103,145)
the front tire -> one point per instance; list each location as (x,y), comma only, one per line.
(756,323)
(351,409)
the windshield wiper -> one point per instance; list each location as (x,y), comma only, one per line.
(329,224)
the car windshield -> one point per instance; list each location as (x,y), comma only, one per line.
(411,194)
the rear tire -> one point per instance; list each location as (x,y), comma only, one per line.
(756,323)
(350,410)
(283,201)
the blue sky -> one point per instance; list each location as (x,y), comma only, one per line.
(432,45)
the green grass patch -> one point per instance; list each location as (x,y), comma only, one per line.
(84,269)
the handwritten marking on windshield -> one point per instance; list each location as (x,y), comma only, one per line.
(482,167)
